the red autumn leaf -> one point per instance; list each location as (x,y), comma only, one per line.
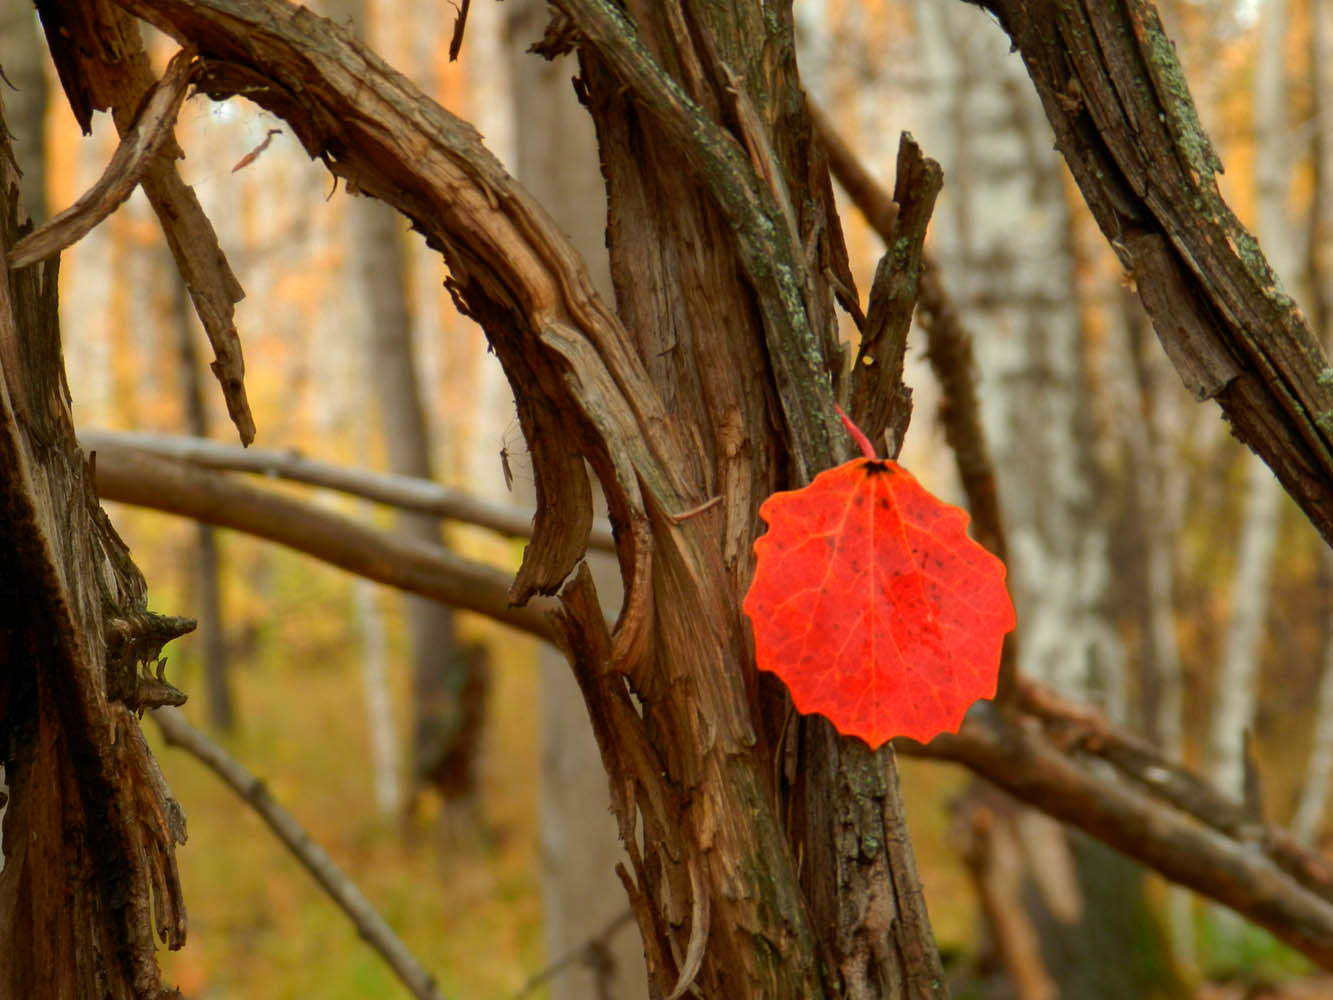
(873,605)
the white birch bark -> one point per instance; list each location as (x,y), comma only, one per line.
(1002,239)
(1238,677)
(379,706)
(1313,802)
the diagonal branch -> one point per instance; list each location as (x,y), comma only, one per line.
(138,147)
(214,498)
(100,57)
(370,926)
(1115,94)
(403,492)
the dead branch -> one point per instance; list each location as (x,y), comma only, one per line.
(592,952)
(100,57)
(879,400)
(403,492)
(370,926)
(137,149)
(214,498)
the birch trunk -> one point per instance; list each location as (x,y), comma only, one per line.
(1004,247)
(208,584)
(1238,677)
(1313,802)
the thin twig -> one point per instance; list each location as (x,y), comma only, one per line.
(579,953)
(370,926)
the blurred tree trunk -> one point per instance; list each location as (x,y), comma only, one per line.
(22,52)
(207,575)
(1311,807)
(1238,677)
(449,680)
(1073,919)
(556,159)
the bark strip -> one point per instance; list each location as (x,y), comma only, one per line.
(139,145)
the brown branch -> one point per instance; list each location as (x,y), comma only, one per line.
(1164,816)
(370,926)
(403,492)
(1018,757)
(137,149)
(1115,94)
(215,498)
(593,952)
(100,57)
(867,194)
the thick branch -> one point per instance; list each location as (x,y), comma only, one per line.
(404,492)
(370,926)
(215,498)
(1123,118)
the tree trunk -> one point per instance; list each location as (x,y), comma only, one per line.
(1005,251)
(449,681)
(1238,678)
(207,573)
(89,866)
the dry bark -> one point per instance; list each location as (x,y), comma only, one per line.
(89,867)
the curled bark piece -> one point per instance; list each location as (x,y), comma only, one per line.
(138,146)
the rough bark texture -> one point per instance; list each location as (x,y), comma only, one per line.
(89,865)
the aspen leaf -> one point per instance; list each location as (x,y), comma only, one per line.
(873,605)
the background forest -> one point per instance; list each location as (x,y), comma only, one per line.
(1158,569)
